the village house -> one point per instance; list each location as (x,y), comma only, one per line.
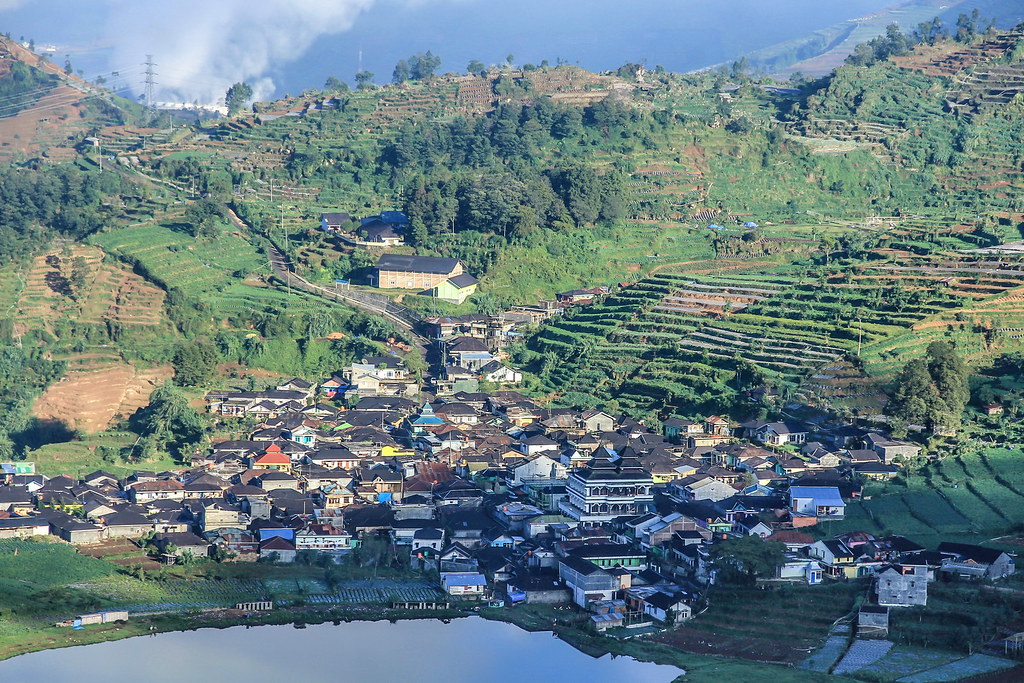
(668,608)
(836,556)
(824,502)
(399,271)
(145,491)
(888,448)
(781,433)
(379,375)
(974,562)
(896,587)
(586,581)
(336,221)
(23,527)
(277,549)
(467,352)
(323,538)
(605,489)
(464,584)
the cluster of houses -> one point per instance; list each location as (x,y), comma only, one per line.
(469,362)
(508,500)
(386,229)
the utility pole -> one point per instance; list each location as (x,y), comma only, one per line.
(149,81)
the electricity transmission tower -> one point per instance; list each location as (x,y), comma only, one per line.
(149,81)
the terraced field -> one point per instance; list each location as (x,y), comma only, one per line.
(977,494)
(73,284)
(173,257)
(679,337)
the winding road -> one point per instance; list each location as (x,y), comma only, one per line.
(377,304)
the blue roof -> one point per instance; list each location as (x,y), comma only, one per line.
(750,224)
(822,495)
(464,579)
(393,217)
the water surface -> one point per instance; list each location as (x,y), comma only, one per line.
(424,651)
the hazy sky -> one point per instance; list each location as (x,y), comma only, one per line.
(202,46)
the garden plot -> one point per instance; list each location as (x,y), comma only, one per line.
(862,653)
(902,661)
(826,656)
(378,591)
(296,586)
(378,595)
(186,595)
(172,256)
(974,665)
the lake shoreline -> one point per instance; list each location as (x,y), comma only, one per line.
(529,618)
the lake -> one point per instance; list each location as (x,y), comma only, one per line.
(426,651)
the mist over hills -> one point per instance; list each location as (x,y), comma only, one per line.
(284,46)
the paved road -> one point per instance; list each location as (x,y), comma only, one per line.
(377,304)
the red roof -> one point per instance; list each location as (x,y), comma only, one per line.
(277,543)
(270,458)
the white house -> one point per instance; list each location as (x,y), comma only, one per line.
(779,433)
(538,469)
(668,609)
(500,374)
(463,584)
(323,537)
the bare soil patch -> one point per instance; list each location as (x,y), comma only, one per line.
(90,398)
(118,546)
(143,561)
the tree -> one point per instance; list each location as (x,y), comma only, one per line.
(417,232)
(237,96)
(932,391)
(744,559)
(401,72)
(950,375)
(79,275)
(194,362)
(203,218)
(740,68)
(364,80)
(332,84)
(422,66)
(169,423)
(475,66)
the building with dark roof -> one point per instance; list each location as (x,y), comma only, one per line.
(974,562)
(606,488)
(335,221)
(401,271)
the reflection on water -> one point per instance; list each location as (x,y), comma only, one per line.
(463,651)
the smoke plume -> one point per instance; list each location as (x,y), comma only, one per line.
(201,47)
